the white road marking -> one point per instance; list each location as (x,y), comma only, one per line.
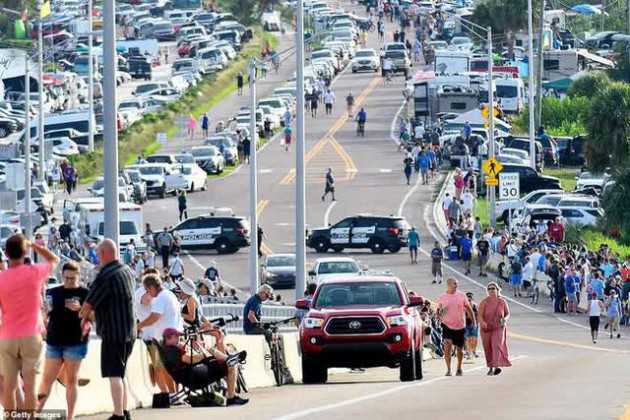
(328,210)
(371,397)
(566,321)
(352,170)
(265,171)
(285,224)
(411,191)
(392,128)
(198,264)
(289,244)
(385,171)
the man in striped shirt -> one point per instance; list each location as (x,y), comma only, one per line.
(111,298)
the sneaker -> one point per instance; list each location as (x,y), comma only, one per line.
(460,373)
(434,282)
(236,401)
(497,371)
(618,335)
(235,359)
(127,415)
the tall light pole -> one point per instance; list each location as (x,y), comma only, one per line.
(300,179)
(491,192)
(91,76)
(110,129)
(40,90)
(27,149)
(253,182)
(530,69)
(539,75)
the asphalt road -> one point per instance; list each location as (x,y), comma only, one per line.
(557,374)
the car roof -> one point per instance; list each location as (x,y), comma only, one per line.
(361,279)
(288,254)
(335,259)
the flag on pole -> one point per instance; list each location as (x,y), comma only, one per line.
(45,10)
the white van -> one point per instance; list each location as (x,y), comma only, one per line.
(511,94)
(92,217)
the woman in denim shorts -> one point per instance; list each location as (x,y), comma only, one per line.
(66,340)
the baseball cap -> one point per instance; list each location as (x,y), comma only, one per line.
(169,332)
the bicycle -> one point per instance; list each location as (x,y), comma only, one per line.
(361,128)
(277,352)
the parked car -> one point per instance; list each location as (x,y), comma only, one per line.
(366,59)
(581,216)
(278,270)
(589,179)
(333,267)
(196,178)
(139,186)
(209,158)
(226,145)
(531,180)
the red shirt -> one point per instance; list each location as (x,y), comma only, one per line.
(556,231)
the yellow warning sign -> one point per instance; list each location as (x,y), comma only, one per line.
(485,111)
(492,167)
(492,182)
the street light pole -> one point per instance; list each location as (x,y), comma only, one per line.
(27,149)
(530,67)
(91,79)
(40,89)
(300,180)
(491,191)
(253,182)
(110,129)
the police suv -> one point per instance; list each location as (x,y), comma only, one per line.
(378,233)
(226,234)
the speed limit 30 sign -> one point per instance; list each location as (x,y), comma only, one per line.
(509,186)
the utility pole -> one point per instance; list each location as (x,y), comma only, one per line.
(110,128)
(530,68)
(603,21)
(300,170)
(91,78)
(539,75)
(628,17)
(253,183)
(491,192)
(40,90)
(27,149)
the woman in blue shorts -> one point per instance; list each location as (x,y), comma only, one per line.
(470,333)
(516,278)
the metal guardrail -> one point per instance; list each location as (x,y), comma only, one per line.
(270,313)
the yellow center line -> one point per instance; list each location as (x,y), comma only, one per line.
(346,157)
(565,343)
(290,177)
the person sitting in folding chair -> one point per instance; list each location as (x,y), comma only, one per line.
(197,370)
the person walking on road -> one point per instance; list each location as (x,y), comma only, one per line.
(182,203)
(471,334)
(595,309)
(165,242)
(465,249)
(239,83)
(205,125)
(452,305)
(21,289)
(350,104)
(330,185)
(424,166)
(414,243)
(437,255)
(493,315)
(483,251)
(329,100)
(408,162)
(113,288)
(613,313)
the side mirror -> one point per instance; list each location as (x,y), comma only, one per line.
(302,304)
(311,273)
(415,301)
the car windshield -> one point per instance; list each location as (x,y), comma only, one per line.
(129,105)
(185,158)
(134,176)
(360,54)
(160,26)
(588,175)
(151,170)
(206,151)
(334,267)
(321,54)
(396,55)
(353,294)
(219,142)
(552,200)
(281,261)
(127,227)
(186,170)
(507,91)
(98,184)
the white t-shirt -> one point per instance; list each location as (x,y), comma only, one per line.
(166,305)
(142,311)
(468,200)
(329,98)
(176,267)
(535,258)
(447,202)
(528,270)
(139,267)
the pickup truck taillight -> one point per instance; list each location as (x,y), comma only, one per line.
(395,231)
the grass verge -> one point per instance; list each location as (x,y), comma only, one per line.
(140,138)
(566,175)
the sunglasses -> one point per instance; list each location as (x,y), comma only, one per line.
(492,288)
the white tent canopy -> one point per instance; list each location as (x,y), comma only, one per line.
(476,120)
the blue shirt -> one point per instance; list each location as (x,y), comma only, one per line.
(253,304)
(431,155)
(597,286)
(541,263)
(423,162)
(362,116)
(570,284)
(608,269)
(466,245)
(414,238)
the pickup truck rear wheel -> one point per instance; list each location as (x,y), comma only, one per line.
(313,372)
(377,246)
(407,366)
(321,244)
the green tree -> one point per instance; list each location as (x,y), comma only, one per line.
(590,84)
(617,201)
(607,121)
(621,72)
(246,11)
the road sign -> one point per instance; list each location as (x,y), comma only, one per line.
(509,186)
(485,111)
(492,167)
(491,182)
(161,138)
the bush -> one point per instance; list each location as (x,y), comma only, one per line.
(561,117)
(589,85)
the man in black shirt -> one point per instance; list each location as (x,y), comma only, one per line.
(65,231)
(483,248)
(112,300)
(212,274)
(437,255)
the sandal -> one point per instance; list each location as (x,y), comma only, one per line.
(459,372)
(448,373)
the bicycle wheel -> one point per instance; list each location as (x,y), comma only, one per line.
(277,365)
(241,385)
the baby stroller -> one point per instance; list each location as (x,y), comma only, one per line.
(435,344)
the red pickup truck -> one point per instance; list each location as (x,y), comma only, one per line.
(361,322)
